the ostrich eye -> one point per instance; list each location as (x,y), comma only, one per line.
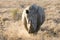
(27,11)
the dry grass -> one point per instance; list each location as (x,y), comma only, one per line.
(11,27)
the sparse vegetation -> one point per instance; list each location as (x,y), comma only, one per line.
(15,14)
(11,10)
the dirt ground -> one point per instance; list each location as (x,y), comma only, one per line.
(11,27)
